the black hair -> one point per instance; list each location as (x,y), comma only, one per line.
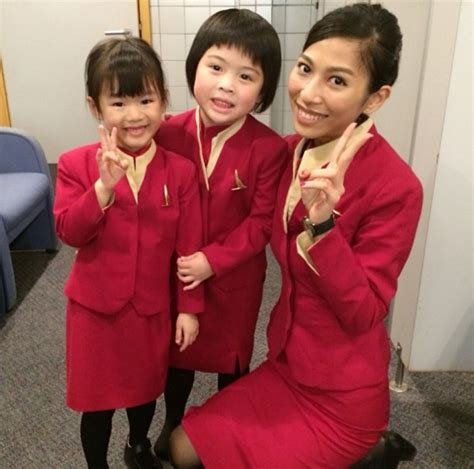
(379,34)
(126,67)
(246,31)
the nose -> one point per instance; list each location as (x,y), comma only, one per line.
(134,112)
(311,91)
(226,83)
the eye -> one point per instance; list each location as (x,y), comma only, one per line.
(246,77)
(216,68)
(117,103)
(147,100)
(338,81)
(303,68)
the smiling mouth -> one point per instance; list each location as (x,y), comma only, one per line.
(305,116)
(222,104)
(136,130)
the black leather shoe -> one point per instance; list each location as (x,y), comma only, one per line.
(141,456)
(387,453)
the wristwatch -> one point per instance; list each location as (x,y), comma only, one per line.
(317,229)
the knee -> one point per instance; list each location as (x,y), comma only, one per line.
(182,452)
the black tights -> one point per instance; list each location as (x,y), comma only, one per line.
(179,385)
(96,428)
(178,388)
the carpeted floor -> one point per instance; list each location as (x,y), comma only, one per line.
(37,430)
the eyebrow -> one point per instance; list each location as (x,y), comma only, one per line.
(337,69)
(219,57)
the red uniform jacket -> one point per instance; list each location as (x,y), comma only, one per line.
(238,190)
(330,326)
(124,252)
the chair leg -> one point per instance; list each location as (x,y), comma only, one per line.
(387,453)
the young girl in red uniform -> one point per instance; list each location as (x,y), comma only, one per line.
(232,69)
(126,204)
(345,219)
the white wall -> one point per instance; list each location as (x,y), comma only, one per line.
(44,45)
(443,337)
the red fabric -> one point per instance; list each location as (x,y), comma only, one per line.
(207,134)
(124,254)
(321,399)
(237,226)
(265,420)
(118,319)
(114,361)
(334,321)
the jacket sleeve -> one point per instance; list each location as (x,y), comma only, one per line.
(76,209)
(358,280)
(251,236)
(189,238)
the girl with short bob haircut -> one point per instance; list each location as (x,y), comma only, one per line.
(232,70)
(345,219)
(249,33)
(124,203)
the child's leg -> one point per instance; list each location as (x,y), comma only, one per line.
(95,435)
(178,388)
(139,420)
(224,379)
(138,453)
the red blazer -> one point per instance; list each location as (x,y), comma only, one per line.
(237,226)
(330,326)
(124,252)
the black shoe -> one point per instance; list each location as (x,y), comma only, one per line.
(141,456)
(387,453)
(397,449)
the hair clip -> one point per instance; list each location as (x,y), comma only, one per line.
(239,185)
(166,197)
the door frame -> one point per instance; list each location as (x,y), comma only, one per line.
(4,110)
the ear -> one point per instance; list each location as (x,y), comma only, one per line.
(93,108)
(376,99)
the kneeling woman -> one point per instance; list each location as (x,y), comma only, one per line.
(345,220)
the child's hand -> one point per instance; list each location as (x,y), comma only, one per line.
(322,188)
(111,168)
(187,329)
(194,269)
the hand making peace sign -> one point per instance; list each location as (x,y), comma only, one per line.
(322,188)
(111,168)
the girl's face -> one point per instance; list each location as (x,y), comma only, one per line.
(227,85)
(328,89)
(137,118)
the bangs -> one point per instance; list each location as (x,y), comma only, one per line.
(129,81)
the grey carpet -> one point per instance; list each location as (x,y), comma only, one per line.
(38,431)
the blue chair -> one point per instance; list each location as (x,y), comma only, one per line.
(26,203)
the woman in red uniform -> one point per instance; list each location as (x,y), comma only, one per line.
(126,204)
(232,69)
(345,219)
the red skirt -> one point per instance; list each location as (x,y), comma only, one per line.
(114,361)
(266,420)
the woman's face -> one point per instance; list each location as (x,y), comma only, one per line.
(328,89)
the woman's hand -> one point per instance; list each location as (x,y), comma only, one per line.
(187,330)
(322,188)
(194,269)
(111,168)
